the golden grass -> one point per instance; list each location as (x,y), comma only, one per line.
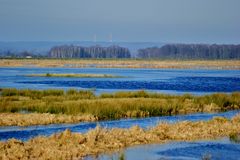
(27,119)
(120,63)
(67,145)
(76,75)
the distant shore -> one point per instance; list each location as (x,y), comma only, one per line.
(122,63)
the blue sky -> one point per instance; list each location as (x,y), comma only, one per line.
(180,21)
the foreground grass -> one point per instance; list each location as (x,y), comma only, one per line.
(27,119)
(67,145)
(122,63)
(76,75)
(113,106)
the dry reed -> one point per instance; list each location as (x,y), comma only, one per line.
(120,63)
(67,145)
(27,119)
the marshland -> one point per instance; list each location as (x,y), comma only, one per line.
(39,108)
(120,80)
(68,145)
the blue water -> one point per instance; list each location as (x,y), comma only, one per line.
(25,133)
(221,149)
(173,81)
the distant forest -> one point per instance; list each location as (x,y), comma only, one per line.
(168,51)
(191,51)
(89,52)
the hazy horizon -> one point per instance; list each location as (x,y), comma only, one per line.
(156,21)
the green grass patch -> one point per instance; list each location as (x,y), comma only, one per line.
(115,105)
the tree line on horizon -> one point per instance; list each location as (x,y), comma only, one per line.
(71,51)
(168,51)
(191,51)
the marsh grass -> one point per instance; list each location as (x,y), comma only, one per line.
(28,119)
(121,157)
(113,106)
(234,137)
(68,145)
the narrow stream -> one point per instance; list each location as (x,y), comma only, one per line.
(25,133)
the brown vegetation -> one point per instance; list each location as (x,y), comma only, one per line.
(129,63)
(27,119)
(67,145)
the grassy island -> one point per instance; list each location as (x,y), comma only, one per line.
(105,106)
(74,75)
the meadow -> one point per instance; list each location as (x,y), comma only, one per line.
(112,105)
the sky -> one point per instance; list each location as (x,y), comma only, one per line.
(175,21)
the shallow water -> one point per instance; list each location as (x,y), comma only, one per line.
(25,133)
(173,81)
(221,149)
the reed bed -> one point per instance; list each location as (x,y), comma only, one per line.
(68,145)
(122,63)
(113,106)
(28,119)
